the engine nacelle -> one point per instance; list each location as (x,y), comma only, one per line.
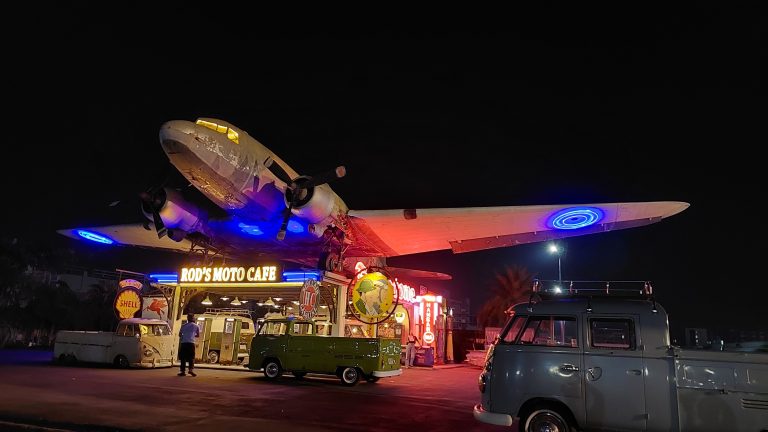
(318,206)
(178,214)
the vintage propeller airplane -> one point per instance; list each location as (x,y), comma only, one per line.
(272,210)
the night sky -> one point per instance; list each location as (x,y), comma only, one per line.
(542,109)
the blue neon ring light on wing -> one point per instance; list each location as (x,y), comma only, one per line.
(575,218)
(92,236)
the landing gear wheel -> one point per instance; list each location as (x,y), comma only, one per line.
(350,376)
(329,261)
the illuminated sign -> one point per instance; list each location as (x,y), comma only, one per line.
(575,218)
(404,292)
(399,317)
(429,310)
(229,274)
(429,337)
(373,295)
(130,283)
(308,299)
(127,301)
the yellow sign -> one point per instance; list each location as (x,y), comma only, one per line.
(127,303)
(373,295)
(229,274)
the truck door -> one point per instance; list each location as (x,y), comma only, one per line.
(613,373)
(537,356)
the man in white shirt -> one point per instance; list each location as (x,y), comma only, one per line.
(189,331)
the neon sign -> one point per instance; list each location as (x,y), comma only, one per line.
(92,236)
(575,218)
(229,274)
(429,310)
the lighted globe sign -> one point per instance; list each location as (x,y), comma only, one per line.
(373,295)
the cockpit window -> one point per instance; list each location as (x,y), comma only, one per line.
(231,134)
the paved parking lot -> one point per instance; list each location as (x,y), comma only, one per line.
(35,392)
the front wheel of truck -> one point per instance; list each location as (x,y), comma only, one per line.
(350,376)
(545,418)
(272,369)
(121,362)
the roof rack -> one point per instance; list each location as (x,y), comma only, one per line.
(590,289)
(228,312)
(642,289)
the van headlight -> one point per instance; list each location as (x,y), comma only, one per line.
(148,353)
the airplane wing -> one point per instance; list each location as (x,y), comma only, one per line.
(410,231)
(128,234)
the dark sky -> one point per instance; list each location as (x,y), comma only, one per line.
(540,109)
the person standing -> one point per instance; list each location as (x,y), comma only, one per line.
(410,349)
(189,331)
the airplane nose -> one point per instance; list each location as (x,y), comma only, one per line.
(188,144)
(175,133)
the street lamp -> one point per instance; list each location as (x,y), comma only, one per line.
(556,250)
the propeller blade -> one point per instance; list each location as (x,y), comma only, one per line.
(328,176)
(152,201)
(284,225)
(159,225)
(278,171)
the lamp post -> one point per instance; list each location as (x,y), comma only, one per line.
(556,250)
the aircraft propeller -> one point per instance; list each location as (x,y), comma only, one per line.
(300,189)
(151,202)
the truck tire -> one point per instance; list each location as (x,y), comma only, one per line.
(350,376)
(547,417)
(121,362)
(213,356)
(272,369)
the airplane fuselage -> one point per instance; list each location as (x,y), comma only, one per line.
(227,165)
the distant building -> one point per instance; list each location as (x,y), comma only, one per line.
(462,317)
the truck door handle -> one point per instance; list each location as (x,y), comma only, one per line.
(568,368)
(634,372)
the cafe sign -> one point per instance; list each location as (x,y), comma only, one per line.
(229,274)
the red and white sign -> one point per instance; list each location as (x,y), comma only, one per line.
(429,337)
(308,299)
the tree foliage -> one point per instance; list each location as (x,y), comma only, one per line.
(509,288)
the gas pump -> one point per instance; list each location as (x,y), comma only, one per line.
(202,343)
(230,340)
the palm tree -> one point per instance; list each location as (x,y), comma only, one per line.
(511,287)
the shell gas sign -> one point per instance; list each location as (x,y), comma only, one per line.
(128,299)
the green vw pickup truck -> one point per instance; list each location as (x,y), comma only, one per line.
(292,345)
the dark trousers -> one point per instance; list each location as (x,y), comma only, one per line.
(187,355)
